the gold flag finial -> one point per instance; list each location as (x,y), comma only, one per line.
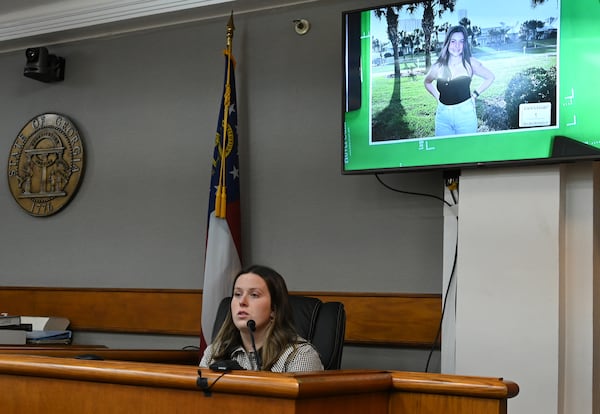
(230,29)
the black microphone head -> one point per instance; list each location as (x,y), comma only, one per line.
(225,365)
(251,325)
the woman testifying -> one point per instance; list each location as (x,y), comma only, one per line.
(258,332)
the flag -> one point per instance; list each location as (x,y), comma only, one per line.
(223,240)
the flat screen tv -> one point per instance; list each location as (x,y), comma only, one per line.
(541,107)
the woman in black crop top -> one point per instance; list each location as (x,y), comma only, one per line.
(452,74)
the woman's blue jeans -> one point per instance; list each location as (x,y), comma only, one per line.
(456,119)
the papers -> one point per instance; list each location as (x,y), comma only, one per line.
(13,337)
(46,323)
(7,320)
(21,330)
(48,337)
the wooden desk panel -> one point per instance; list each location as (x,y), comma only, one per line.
(39,384)
(420,393)
(48,385)
(429,404)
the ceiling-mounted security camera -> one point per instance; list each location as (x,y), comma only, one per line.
(301,26)
(42,66)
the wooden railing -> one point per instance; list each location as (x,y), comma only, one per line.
(395,319)
(37,384)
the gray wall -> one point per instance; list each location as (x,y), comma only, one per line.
(146,105)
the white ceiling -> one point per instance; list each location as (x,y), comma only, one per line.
(26,23)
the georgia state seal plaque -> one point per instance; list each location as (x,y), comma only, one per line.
(45,164)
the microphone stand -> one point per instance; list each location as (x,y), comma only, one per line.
(252,327)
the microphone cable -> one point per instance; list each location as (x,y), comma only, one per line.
(202,383)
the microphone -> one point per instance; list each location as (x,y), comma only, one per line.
(225,365)
(252,327)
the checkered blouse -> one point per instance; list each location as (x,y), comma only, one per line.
(297,357)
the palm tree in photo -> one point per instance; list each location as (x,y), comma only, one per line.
(431,8)
(391,16)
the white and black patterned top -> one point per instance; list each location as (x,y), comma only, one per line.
(298,357)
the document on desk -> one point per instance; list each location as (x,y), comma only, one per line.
(46,323)
(9,320)
(49,337)
(13,337)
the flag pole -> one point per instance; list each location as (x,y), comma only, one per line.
(223,236)
(221,195)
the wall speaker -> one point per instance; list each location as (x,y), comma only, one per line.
(42,66)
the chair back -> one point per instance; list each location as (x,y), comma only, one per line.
(321,323)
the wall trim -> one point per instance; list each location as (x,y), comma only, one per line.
(73,20)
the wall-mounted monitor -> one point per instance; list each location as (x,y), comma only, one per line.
(470,83)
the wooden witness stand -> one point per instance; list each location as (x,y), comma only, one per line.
(41,384)
(48,379)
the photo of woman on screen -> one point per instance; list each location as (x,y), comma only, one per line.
(453,74)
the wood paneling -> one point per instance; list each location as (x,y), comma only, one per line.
(47,385)
(388,319)
(418,392)
(372,318)
(173,312)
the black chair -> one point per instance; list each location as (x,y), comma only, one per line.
(321,323)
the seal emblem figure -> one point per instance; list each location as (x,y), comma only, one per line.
(45,164)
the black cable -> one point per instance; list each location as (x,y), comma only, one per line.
(439,331)
(203,383)
(452,185)
(412,193)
